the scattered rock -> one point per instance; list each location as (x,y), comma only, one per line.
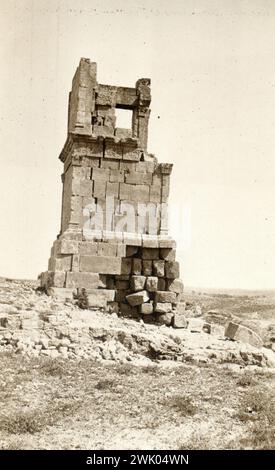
(241,333)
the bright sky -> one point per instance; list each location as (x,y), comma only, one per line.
(212,66)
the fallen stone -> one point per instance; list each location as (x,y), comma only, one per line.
(195,325)
(165,319)
(179,321)
(241,333)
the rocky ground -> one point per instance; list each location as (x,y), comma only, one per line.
(73,378)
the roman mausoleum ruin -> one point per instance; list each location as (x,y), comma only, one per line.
(113,249)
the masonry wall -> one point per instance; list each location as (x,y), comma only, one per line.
(113,249)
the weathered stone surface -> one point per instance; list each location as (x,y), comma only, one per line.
(147,308)
(137,298)
(165,318)
(158,268)
(175,285)
(68,247)
(165,296)
(195,325)
(162,307)
(114,214)
(152,283)
(147,267)
(150,253)
(100,264)
(242,333)
(179,321)
(98,298)
(61,293)
(131,250)
(137,282)
(126,266)
(168,254)
(172,270)
(82,279)
(136,266)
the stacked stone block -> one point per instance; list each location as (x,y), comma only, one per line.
(113,246)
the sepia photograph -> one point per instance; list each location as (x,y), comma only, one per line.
(137,242)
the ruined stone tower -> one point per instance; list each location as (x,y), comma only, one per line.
(113,247)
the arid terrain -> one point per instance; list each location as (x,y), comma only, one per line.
(103,382)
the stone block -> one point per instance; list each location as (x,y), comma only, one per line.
(113,151)
(99,189)
(106,249)
(136,266)
(172,269)
(168,254)
(139,193)
(62,263)
(150,253)
(127,310)
(162,307)
(165,318)
(151,284)
(117,176)
(68,247)
(136,177)
(147,308)
(175,285)
(126,266)
(155,194)
(98,298)
(165,296)
(217,330)
(158,268)
(132,239)
(179,321)
(125,191)
(147,267)
(137,298)
(195,325)
(111,164)
(130,153)
(167,243)
(161,283)
(55,279)
(75,263)
(82,279)
(88,248)
(137,283)
(61,293)
(121,250)
(86,188)
(150,241)
(100,264)
(145,167)
(112,189)
(243,334)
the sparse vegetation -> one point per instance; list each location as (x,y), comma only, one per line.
(184,405)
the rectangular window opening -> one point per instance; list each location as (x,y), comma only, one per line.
(124,118)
